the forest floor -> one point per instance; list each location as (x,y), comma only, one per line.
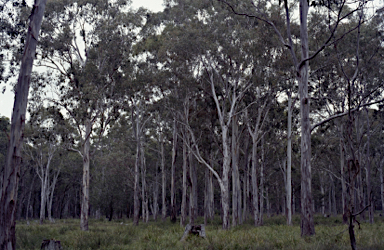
(331,233)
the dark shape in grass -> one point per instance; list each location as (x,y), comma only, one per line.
(51,245)
(198,230)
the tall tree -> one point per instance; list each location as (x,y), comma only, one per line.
(11,173)
(301,66)
(88,80)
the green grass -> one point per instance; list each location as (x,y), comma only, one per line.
(330,234)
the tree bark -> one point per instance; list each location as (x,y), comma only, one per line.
(86,177)
(225,178)
(322,192)
(183,219)
(193,191)
(262,180)
(307,224)
(247,160)
(208,198)
(368,178)
(289,161)
(50,195)
(136,202)
(344,194)
(255,187)
(156,194)
(173,195)
(236,189)
(163,180)
(11,173)
(382,184)
(144,192)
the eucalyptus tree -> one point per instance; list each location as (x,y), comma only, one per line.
(337,12)
(87,44)
(44,137)
(349,82)
(11,173)
(227,74)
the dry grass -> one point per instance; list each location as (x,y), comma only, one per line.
(330,234)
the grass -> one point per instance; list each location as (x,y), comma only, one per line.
(330,234)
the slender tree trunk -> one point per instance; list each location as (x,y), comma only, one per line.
(136,202)
(322,192)
(144,196)
(262,166)
(342,174)
(173,196)
(293,201)
(236,189)
(50,194)
(289,162)
(268,202)
(156,195)
(360,204)
(183,219)
(368,178)
(334,209)
(43,196)
(208,198)
(193,190)
(307,224)
(210,195)
(255,187)
(11,173)
(360,193)
(163,181)
(246,186)
(382,184)
(225,178)
(86,177)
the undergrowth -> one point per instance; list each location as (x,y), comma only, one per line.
(274,234)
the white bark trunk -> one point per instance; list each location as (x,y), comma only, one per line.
(156,195)
(193,191)
(289,162)
(173,195)
(136,202)
(225,178)
(382,184)
(183,219)
(86,177)
(236,189)
(163,181)
(255,187)
(307,223)
(43,196)
(262,166)
(368,177)
(11,172)
(144,196)
(50,194)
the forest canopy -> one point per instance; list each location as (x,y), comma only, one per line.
(207,108)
